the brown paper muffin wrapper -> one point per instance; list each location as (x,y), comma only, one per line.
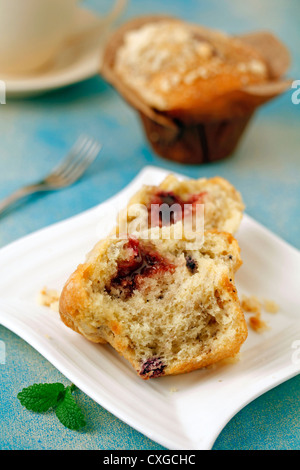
(197,143)
(210,136)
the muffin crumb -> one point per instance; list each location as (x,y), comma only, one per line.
(49,298)
(270,306)
(257,324)
(251,304)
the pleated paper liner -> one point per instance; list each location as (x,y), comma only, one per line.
(202,136)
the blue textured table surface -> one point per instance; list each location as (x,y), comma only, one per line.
(35,134)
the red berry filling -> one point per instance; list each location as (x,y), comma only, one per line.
(191,264)
(142,262)
(160,215)
(153,367)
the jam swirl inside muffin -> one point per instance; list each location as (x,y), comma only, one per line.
(142,262)
(159,213)
(153,367)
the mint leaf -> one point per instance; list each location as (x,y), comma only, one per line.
(41,397)
(68,412)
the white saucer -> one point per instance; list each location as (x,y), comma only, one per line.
(76,61)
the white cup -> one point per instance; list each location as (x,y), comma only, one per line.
(31,32)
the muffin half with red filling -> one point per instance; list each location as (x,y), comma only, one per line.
(215,200)
(167,308)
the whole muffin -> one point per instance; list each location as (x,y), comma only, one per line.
(195,88)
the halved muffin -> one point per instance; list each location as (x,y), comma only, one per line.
(166,306)
(214,200)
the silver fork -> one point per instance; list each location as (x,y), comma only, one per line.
(81,155)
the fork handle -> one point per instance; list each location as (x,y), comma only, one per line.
(16,196)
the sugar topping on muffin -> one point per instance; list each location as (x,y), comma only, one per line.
(162,57)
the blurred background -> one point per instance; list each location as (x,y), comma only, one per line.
(37,131)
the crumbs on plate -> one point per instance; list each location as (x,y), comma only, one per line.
(49,298)
(251,304)
(270,306)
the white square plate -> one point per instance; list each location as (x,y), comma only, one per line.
(204,400)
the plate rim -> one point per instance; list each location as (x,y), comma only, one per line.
(63,224)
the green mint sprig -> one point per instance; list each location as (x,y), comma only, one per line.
(42,397)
